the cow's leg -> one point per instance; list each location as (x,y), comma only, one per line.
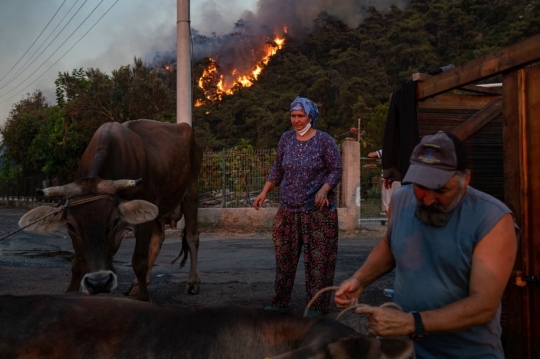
(76,274)
(140,258)
(190,208)
(158,236)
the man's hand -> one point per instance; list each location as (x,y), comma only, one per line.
(348,293)
(388,183)
(386,322)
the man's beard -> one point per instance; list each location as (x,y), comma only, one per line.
(435,214)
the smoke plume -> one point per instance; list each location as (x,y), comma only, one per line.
(270,19)
(238,48)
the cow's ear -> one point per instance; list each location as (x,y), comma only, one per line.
(47,224)
(137,211)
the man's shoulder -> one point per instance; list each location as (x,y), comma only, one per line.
(404,190)
(486,199)
(403,196)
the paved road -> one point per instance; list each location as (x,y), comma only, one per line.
(235,268)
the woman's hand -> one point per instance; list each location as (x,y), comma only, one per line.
(321,197)
(259,201)
(348,293)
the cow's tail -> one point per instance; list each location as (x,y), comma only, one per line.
(184,250)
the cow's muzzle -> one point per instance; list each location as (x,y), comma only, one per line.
(99,282)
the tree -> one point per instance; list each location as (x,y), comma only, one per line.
(375,128)
(23,123)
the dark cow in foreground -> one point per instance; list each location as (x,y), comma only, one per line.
(100,211)
(76,326)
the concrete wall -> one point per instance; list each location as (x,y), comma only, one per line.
(251,220)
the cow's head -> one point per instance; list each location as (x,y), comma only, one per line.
(96,219)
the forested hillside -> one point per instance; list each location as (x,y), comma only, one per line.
(348,72)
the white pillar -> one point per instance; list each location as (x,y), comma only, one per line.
(183,63)
(349,214)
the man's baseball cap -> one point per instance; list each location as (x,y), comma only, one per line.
(436,159)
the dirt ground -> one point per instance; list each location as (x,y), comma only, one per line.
(235,268)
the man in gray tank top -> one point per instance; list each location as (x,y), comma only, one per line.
(453,249)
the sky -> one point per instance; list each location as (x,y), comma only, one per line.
(40,38)
(130,28)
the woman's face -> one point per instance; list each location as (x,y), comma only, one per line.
(299,120)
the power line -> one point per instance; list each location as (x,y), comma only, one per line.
(26,68)
(58,48)
(63,54)
(34,41)
(43,43)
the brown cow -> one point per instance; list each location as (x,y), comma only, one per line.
(99,211)
(77,327)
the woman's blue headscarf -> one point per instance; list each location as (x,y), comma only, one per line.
(308,106)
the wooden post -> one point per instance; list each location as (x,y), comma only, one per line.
(522,193)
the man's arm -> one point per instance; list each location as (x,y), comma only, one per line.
(375,154)
(492,262)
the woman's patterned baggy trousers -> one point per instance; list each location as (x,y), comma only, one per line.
(317,231)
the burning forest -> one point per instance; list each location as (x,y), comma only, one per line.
(235,60)
(230,61)
(219,78)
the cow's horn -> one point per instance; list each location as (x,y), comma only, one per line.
(123,184)
(57,191)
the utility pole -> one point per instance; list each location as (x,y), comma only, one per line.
(183,63)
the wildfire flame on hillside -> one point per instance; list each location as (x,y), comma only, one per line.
(215,83)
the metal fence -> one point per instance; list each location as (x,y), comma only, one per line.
(234,178)
(231,179)
(24,188)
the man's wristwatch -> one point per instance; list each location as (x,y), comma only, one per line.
(419,332)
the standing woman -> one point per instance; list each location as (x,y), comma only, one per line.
(307,169)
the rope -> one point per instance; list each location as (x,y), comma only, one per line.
(352,307)
(317,296)
(389,304)
(86,200)
(56,211)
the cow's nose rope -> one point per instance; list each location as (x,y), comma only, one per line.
(56,211)
(85,200)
